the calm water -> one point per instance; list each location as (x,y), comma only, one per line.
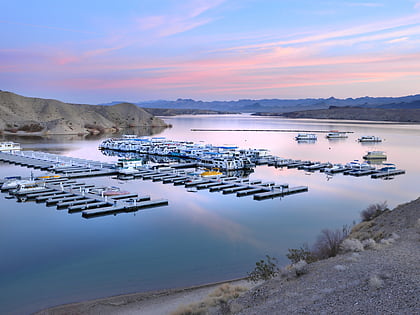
(49,257)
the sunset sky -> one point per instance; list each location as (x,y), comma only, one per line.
(101,51)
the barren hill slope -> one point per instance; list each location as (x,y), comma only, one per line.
(20,113)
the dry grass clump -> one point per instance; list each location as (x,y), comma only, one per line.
(340,267)
(390,240)
(375,282)
(219,297)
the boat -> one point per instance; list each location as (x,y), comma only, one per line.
(375,155)
(13,183)
(336,135)
(210,173)
(28,187)
(9,146)
(48,177)
(306,136)
(369,139)
(129,166)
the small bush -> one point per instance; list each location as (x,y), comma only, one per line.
(373,210)
(300,268)
(328,242)
(264,270)
(302,253)
(351,245)
(369,243)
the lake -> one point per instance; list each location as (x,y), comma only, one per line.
(50,257)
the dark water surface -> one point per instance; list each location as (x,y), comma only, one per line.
(49,257)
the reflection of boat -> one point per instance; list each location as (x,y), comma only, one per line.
(306,136)
(375,155)
(113,191)
(9,146)
(336,135)
(369,139)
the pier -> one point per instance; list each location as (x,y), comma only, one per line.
(74,197)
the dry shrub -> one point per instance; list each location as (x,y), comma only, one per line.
(264,270)
(329,241)
(302,253)
(373,210)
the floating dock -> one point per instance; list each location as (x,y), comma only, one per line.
(78,197)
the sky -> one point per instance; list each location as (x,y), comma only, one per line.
(101,51)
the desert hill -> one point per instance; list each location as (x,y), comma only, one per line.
(355,113)
(27,114)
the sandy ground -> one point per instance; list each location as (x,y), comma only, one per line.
(150,303)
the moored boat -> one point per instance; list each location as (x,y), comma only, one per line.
(336,135)
(306,137)
(369,139)
(9,146)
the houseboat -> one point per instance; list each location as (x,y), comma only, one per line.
(9,146)
(336,135)
(369,139)
(306,137)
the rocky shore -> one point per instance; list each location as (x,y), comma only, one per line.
(379,276)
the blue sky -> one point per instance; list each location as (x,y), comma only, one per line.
(100,51)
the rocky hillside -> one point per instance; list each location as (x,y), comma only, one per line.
(377,272)
(357,113)
(25,115)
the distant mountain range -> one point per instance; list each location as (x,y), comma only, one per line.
(284,105)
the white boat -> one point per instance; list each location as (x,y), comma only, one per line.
(369,139)
(9,146)
(306,136)
(28,187)
(14,182)
(336,135)
(129,166)
(375,155)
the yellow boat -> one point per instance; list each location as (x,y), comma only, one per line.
(48,176)
(211,173)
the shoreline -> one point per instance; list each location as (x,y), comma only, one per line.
(148,302)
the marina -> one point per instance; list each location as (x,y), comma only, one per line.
(105,255)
